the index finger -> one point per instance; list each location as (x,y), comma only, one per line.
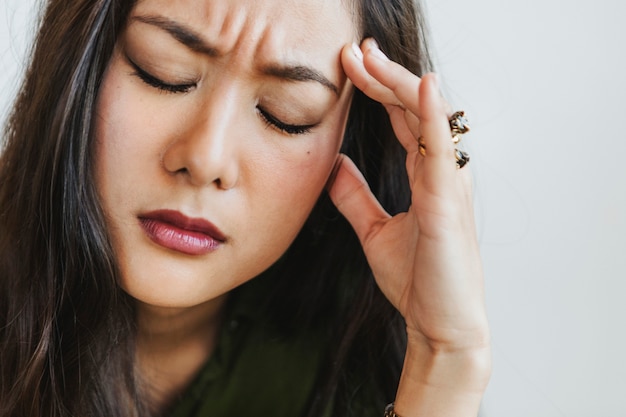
(380,78)
(352,61)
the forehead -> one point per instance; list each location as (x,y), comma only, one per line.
(280,28)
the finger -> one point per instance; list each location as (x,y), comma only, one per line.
(405,124)
(352,61)
(403,84)
(353,198)
(436,135)
(399,80)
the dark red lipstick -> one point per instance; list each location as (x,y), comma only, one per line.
(173,230)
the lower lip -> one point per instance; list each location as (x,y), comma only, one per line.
(177,239)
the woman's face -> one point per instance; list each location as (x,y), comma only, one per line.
(218,124)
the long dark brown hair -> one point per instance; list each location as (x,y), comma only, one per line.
(67,329)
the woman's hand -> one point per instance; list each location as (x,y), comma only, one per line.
(426,261)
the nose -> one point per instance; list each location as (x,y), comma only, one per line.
(205,150)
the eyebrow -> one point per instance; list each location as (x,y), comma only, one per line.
(194,41)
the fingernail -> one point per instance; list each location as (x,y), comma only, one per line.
(374,49)
(357,51)
(379,54)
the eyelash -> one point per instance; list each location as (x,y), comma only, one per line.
(267,117)
(272,121)
(153,81)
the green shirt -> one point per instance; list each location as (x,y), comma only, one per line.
(254,371)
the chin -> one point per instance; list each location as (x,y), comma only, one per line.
(167,284)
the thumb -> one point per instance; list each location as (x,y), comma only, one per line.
(353,198)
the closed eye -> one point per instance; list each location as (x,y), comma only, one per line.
(159,84)
(290,129)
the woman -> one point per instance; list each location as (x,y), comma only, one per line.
(162,154)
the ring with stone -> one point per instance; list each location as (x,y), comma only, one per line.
(458,125)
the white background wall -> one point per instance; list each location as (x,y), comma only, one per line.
(544,84)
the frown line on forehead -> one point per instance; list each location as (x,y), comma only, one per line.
(194,41)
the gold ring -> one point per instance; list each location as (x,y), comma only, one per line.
(421,146)
(462,158)
(458,125)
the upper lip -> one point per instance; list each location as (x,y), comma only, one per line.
(181,221)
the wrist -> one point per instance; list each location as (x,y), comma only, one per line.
(442,381)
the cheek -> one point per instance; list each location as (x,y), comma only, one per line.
(289,184)
(126,142)
(109,150)
(279,201)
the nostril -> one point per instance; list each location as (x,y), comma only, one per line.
(200,167)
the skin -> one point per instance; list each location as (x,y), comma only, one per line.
(208,152)
(436,283)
